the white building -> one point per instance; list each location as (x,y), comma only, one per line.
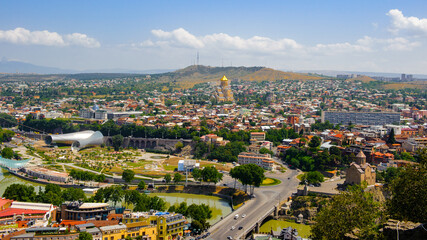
(189,165)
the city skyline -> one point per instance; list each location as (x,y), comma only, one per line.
(331,35)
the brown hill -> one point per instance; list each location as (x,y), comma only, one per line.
(363,78)
(192,75)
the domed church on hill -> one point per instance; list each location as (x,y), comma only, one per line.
(223,92)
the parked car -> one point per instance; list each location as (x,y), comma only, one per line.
(240,228)
(244,215)
(232,228)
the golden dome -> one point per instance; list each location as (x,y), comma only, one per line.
(224,78)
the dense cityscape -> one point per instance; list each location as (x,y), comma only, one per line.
(97,147)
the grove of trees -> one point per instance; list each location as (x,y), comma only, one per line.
(249,175)
(86,175)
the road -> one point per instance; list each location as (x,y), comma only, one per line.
(266,198)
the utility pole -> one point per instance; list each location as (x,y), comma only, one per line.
(186,176)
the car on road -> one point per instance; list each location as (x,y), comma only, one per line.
(236,216)
(240,228)
(229,237)
(244,215)
(232,227)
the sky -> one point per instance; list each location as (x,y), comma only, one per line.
(363,35)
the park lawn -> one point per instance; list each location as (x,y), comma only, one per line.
(172,161)
(300,176)
(140,163)
(277,225)
(170,168)
(270,182)
(218,166)
(116,170)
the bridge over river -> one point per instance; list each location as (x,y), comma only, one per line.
(267,202)
(13,164)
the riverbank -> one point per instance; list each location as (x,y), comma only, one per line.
(7,179)
(220,207)
(277,225)
(235,197)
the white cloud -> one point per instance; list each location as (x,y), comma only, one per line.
(81,40)
(412,25)
(258,45)
(182,38)
(46,38)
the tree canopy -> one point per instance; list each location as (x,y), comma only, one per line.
(248,174)
(128,175)
(354,209)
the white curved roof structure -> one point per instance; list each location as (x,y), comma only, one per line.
(77,140)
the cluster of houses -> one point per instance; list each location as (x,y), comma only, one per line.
(40,221)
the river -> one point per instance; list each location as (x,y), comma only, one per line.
(7,179)
(219,206)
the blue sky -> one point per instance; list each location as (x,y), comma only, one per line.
(387,36)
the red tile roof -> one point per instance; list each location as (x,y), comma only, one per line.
(10,211)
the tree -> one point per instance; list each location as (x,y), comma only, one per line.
(248,174)
(200,214)
(128,175)
(315,142)
(211,174)
(177,177)
(20,192)
(409,195)
(7,152)
(52,194)
(117,141)
(391,139)
(264,150)
(346,212)
(6,135)
(313,177)
(421,157)
(85,236)
(73,194)
(113,193)
(179,146)
(197,174)
(168,178)
(141,185)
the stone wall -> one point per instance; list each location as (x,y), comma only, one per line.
(150,143)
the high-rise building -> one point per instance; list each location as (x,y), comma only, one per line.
(223,92)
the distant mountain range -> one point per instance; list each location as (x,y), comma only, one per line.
(7,66)
(21,67)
